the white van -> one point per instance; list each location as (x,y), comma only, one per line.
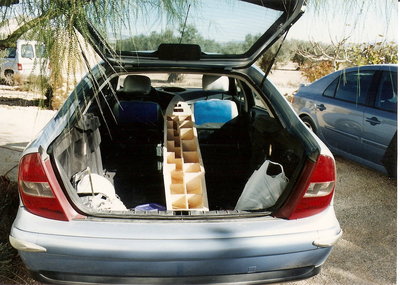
(28,58)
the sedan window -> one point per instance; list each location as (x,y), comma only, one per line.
(386,98)
(354,86)
(330,91)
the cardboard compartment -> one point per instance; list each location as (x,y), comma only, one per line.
(170,146)
(191,157)
(189,145)
(179,202)
(191,167)
(170,134)
(177,189)
(177,177)
(186,124)
(178,152)
(194,183)
(195,202)
(187,134)
(185,187)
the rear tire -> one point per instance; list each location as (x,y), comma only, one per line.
(9,78)
(390,157)
(309,123)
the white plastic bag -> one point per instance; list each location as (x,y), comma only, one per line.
(99,193)
(262,190)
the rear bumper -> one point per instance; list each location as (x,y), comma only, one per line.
(245,251)
(250,278)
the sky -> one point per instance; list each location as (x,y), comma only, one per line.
(368,23)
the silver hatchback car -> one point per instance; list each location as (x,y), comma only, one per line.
(144,179)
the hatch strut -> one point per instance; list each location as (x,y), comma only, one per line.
(184,24)
(273,59)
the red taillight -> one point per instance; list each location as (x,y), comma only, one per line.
(19,66)
(314,190)
(40,192)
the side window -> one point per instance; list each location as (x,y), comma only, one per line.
(10,52)
(39,51)
(386,96)
(27,51)
(330,91)
(240,93)
(354,86)
(258,101)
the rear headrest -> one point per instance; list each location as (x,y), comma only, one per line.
(137,84)
(215,83)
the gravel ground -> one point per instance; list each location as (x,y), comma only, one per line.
(365,203)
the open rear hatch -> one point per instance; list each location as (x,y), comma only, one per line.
(229,34)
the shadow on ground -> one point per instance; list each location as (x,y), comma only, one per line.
(23,102)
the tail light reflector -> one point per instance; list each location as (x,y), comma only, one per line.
(314,190)
(39,190)
(19,66)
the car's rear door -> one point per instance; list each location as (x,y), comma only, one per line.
(380,118)
(340,113)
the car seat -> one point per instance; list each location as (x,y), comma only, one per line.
(137,113)
(214,112)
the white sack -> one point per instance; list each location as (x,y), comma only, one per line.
(103,198)
(262,190)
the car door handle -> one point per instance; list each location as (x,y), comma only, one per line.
(321,107)
(373,121)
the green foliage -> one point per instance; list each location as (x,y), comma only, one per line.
(316,59)
(315,70)
(378,53)
(56,23)
(285,55)
(187,35)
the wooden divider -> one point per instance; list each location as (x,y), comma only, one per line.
(184,180)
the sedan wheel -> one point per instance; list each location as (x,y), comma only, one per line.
(309,123)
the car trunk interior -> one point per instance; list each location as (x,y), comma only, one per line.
(111,141)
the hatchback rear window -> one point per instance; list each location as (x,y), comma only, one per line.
(223,27)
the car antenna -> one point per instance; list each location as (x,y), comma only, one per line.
(184,24)
(273,60)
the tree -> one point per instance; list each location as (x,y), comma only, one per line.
(62,26)
(317,59)
(57,23)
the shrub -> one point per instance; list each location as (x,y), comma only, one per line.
(315,70)
(9,203)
